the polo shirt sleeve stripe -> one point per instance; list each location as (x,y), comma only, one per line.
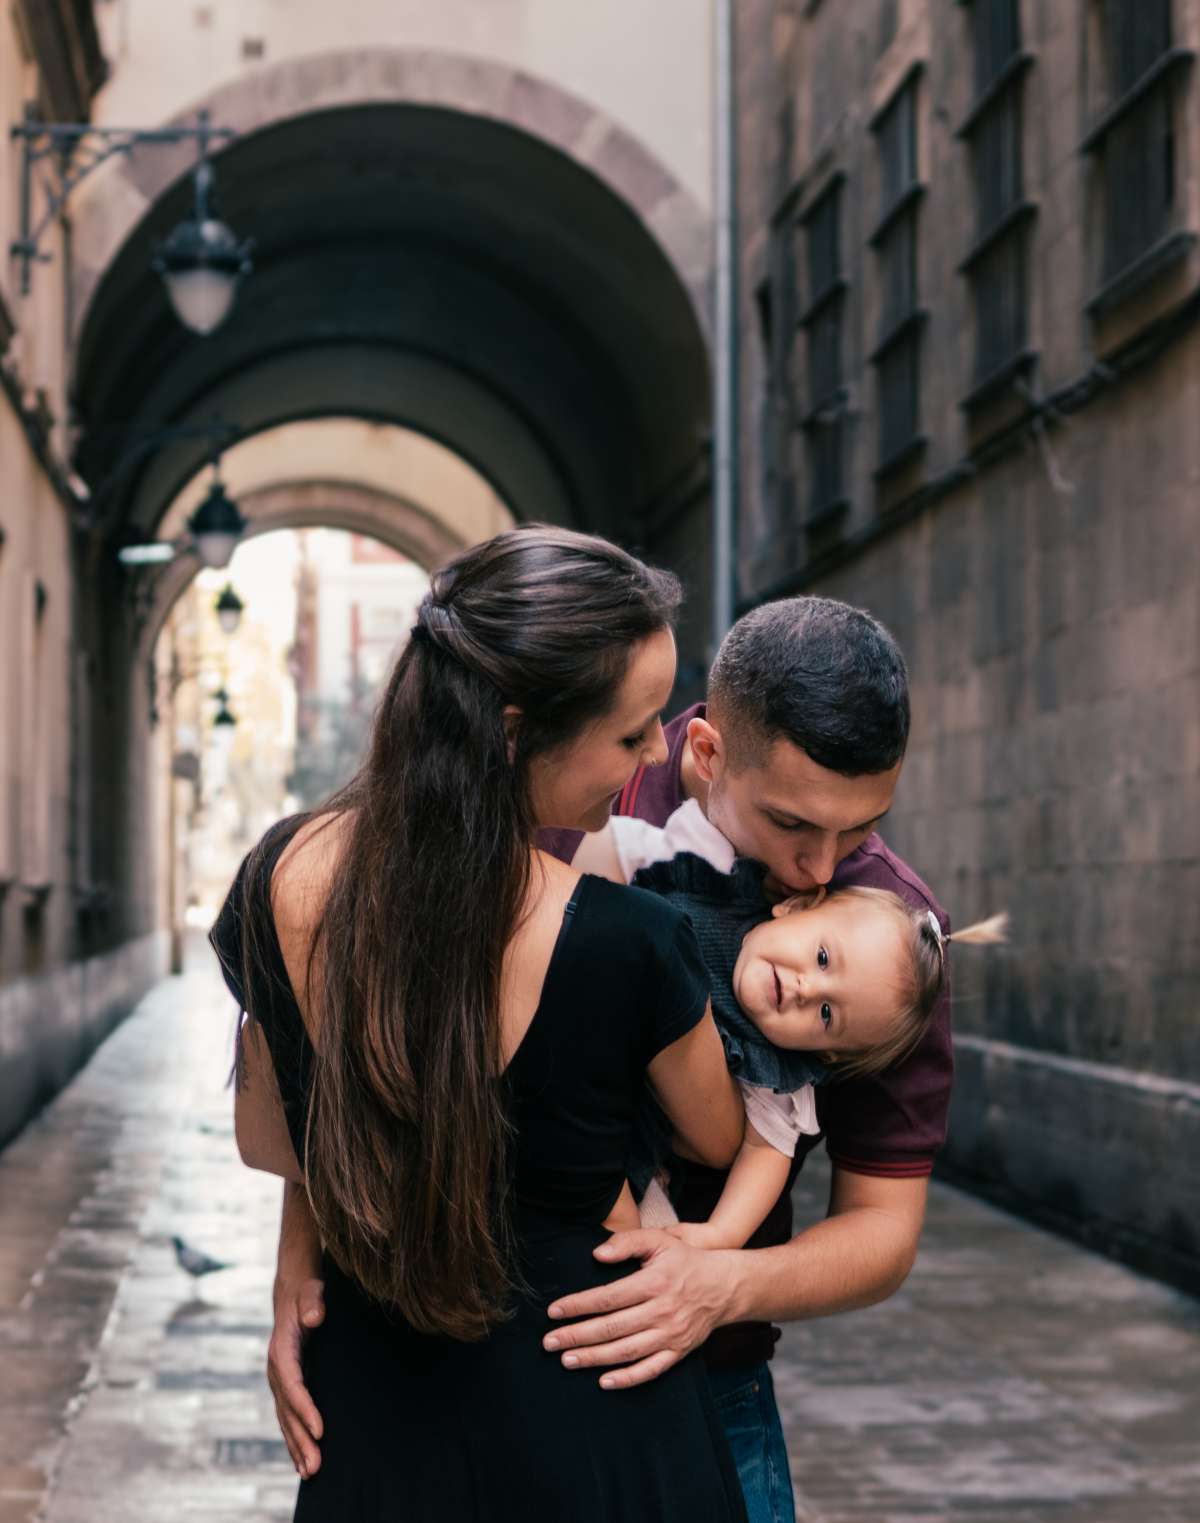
(876,1168)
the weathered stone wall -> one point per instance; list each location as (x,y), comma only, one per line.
(1054,644)
(1041,568)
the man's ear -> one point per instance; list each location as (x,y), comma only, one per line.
(512,723)
(808,900)
(708,749)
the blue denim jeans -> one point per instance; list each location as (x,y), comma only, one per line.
(745,1399)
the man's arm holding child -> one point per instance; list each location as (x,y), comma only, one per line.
(860,1254)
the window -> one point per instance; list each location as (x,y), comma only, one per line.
(897,133)
(35,736)
(1137,33)
(899,398)
(897,357)
(1134,139)
(1139,172)
(776,306)
(822,235)
(996,36)
(997,264)
(824,422)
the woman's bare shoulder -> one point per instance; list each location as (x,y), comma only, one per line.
(306,869)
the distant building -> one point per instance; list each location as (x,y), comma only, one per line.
(971,385)
(356,601)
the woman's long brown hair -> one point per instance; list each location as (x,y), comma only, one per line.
(407,1125)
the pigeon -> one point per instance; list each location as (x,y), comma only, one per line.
(195,1262)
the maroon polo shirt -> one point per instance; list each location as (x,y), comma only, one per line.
(889,1125)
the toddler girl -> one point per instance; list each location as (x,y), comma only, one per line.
(822,985)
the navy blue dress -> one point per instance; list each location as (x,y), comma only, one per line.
(421,1428)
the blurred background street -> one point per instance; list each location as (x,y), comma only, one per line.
(895,301)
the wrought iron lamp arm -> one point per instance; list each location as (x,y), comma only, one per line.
(46,140)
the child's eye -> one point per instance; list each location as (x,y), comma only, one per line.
(632,742)
(822,958)
(826,1016)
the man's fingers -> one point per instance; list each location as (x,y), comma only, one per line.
(639,1374)
(619,1324)
(631,1291)
(619,1351)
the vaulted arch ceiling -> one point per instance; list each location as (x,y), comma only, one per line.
(422,266)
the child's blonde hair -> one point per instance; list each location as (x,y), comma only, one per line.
(923,977)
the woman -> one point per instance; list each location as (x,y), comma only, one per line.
(447,1035)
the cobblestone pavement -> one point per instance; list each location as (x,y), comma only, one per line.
(1015,1379)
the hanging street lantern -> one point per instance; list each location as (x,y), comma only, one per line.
(215,527)
(229,609)
(202,262)
(224,717)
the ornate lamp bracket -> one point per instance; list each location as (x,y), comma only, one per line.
(64,153)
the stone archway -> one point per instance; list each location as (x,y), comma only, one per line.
(446,243)
(476,86)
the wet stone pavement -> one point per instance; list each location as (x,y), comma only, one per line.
(1015,1379)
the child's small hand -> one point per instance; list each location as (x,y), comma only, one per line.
(698,1235)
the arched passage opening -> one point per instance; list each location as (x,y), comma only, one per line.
(376,480)
(266,677)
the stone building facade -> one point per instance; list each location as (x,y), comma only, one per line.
(971,402)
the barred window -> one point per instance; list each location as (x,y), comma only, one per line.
(897,250)
(824,422)
(897,133)
(1000,305)
(996,160)
(996,35)
(897,357)
(822,236)
(1134,139)
(997,263)
(899,371)
(1137,34)
(777,317)
(1139,163)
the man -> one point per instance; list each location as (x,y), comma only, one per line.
(795,760)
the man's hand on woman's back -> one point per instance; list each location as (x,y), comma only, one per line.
(648,1321)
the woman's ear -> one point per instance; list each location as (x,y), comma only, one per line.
(512,723)
(808,900)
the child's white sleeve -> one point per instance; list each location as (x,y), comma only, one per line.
(637,843)
(781,1120)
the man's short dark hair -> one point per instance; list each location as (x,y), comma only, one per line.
(819,673)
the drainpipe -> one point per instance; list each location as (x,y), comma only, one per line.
(725,335)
